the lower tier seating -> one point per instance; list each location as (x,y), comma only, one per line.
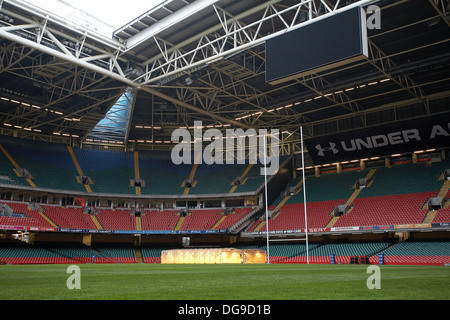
(408,252)
(418,252)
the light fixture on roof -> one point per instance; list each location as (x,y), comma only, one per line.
(189,81)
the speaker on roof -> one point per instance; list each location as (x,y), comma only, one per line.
(447,174)
(290,192)
(89,210)
(237,181)
(137,212)
(84,180)
(137,182)
(189,183)
(435,203)
(361,183)
(24,173)
(228,211)
(340,210)
(184,212)
(6,210)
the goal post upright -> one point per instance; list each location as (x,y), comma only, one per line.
(304,195)
(266,200)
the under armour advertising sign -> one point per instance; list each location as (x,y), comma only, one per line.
(407,136)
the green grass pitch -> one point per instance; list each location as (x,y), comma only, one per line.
(223,282)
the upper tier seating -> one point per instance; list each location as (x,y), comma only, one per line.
(152,254)
(406,178)
(53,166)
(344,251)
(395,196)
(110,171)
(49,164)
(160,174)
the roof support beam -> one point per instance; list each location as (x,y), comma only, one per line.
(61,22)
(381,61)
(442,8)
(112,75)
(210,48)
(169,21)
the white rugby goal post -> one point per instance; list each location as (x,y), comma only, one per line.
(268,240)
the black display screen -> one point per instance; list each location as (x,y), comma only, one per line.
(322,44)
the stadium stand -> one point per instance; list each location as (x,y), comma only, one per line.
(86,174)
(117,253)
(201,219)
(344,251)
(395,196)
(408,252)
(50,165)
(418,252)
(159,220)
(386,210)
(152,254)
(68,217)
(22,253)
(58,167)
(161,177)
(116,219)
(110,171)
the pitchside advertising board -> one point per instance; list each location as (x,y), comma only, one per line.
(383,140)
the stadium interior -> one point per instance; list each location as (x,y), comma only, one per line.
(87,121)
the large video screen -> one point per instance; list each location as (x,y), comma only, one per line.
(317,46)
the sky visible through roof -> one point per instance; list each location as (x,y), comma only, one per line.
(114,13)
